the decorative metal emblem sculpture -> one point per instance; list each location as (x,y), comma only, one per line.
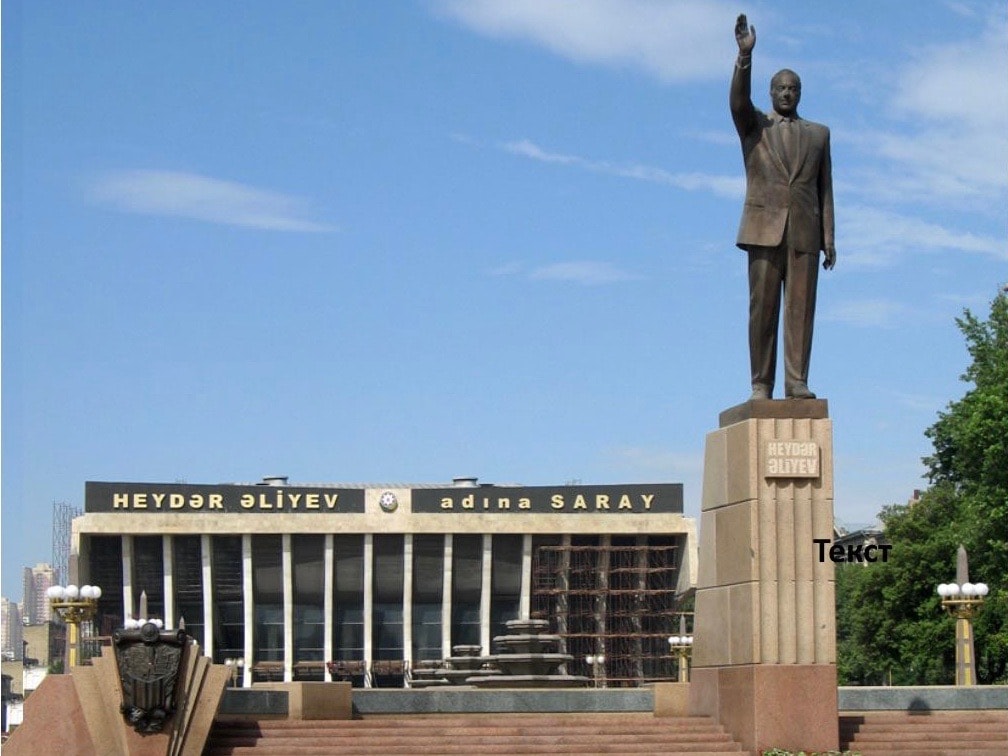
(149,660)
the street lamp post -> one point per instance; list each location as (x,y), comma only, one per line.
(963,602)
(681,646)
(962,599)
(235,666)
(596,662)
(74,606)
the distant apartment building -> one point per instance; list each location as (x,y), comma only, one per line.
(37,581)
(10,630)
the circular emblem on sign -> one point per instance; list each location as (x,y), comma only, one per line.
(388,501)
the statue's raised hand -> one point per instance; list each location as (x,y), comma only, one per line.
(745,35)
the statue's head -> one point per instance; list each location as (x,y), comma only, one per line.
(785,91)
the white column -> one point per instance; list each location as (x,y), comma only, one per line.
(327,605)
(127,571)
(288,608)
(485,593)
(407,595)
(525,600)
(248,608)
(206,553)
(368,605)
(446,599)
(169,582)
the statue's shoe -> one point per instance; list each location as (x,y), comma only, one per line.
(799,391)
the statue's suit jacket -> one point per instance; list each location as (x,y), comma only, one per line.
(793,194)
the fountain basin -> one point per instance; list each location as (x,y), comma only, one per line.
(530,664)
(528,643)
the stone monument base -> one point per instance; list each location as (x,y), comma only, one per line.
(79,713)
(792,706)
(764,652)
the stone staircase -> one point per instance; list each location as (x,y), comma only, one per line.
(472,734)
(977,733)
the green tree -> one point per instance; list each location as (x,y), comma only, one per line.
(971,455)
(890,621)
(890,626)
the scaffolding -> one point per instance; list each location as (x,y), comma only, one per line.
(617,600)
(62,524)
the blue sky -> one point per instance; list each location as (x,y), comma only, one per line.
(405,241)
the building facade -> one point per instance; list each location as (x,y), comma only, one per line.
(10,630)
(295,582)
(37,581)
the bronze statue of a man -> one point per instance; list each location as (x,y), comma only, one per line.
(786,221)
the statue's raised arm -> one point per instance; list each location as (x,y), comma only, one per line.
(740,94)
(745,35)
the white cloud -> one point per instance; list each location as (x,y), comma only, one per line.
(584,272)
(918,402)
(721,137)
(952,146)
(674,40)
(190,195)
(975,302)
(731,187)
(507,269)
(937,164)
(525,148)
(462,138)
(960,83)
(867,313)
(873,237)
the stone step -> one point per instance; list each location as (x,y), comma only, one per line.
(487,736)
(575,734)
(481,723)
(467,730)
(994,733)
(983,733)
(473,746)
(965,748)
(996,716)
(470,749)
(377,748)
(947,726)
(426,720)
(583,734)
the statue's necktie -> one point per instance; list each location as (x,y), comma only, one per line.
(788,140)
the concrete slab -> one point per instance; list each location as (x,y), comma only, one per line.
(922,699)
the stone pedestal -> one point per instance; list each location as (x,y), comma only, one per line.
(314,700)
(79,713)
(764,656)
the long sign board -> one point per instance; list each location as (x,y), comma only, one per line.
(183,497)
(615,499)
(186,498)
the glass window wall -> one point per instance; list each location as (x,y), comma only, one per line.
(505,581)
(467,581)
(226,596)
(428,581)
(187,582)
(348,622)
(148,575)
(308,557)
(105,571)
(268,600)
